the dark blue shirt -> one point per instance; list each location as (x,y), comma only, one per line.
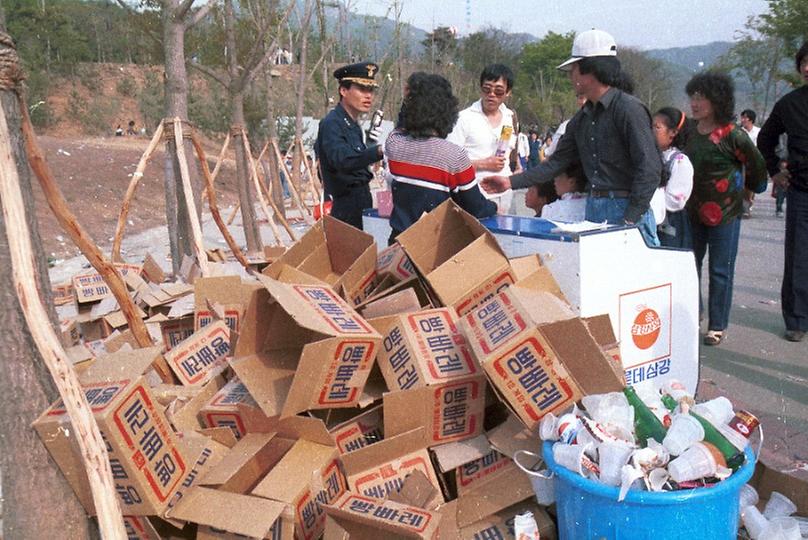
(344,156)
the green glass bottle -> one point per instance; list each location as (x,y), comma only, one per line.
(734,457)
(646,424)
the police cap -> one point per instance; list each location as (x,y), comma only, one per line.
(363,73)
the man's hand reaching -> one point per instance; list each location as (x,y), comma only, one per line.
(496,184)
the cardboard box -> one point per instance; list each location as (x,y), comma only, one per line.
(233,406)
(500,525)
(69,333)
(91,287)
(152,271)
(457,256)
(139,528)
(436,382)
(230,293)
(389,519)
(353,430)
(62,293)
(340,255)
(380,469)
(221,514)
(472,474)
(248,462)
(537,369)
(306,478)
(175,331)
(148,466)
(201,356)
(393,262)
(304,348)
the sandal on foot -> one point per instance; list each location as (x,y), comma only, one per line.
(713,337)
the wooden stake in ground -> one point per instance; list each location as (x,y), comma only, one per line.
(219,161)
(196,229)
(130,192)
(86,433)
(305,212)
(73,228)
(315,191)
(214,209)
(254,175)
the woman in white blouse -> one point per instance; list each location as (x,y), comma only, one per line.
(671,128)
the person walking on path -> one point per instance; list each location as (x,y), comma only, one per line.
(611,137)
(479,129)
(345,151)
(720,152)
(790,116)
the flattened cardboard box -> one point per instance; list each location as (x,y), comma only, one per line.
(201,356)
(91,287)
(248,462)
(459,258)
(306,478)
(470,475)
(139,528)
(380,469)
(436,382)
(304,348)
(395,519)
(501,524)
(233,406)
(147,464)
(333,251)
(223,515)
(175,331)
(537,369)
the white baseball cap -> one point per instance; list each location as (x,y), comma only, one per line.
(588,44)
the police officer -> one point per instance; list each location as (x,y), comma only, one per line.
(344,150)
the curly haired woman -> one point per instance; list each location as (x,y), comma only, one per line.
(426,168)
(725,165)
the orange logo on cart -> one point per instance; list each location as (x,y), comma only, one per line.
(646,328)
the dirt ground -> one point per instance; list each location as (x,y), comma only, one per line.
(94,174)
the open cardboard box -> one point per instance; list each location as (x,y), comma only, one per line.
(392,262)
(367,517)
(340,255)
(434,379)
(302,347)
(538,361)
(232,406)
(230,293)
(457,256)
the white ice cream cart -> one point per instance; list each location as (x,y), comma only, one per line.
(650,293)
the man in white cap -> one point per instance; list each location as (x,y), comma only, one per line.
(611,136)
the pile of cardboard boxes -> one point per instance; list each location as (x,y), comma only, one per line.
(338,392)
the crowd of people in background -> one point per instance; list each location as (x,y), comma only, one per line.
(685,181)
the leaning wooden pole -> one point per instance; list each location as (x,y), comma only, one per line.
(130,192)
(267,187)
(214,209)
(86,433)
(315,191)
(188,192)
(257,183)
(304,212)
(73,228)
(219,161)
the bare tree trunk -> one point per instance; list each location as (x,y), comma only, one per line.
(301,94)
(37,500)
(236,89)
(176,105)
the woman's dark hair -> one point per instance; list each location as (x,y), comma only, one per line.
(801,54)
(495,72)
(719,89)
(429,108)
(576,172)
(676,119)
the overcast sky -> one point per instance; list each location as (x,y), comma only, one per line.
(648,24)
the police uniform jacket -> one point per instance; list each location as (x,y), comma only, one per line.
(344,156)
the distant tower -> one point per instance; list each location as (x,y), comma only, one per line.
(468,17)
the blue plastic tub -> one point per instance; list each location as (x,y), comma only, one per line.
(588,510)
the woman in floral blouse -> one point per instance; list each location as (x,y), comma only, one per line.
(726,166)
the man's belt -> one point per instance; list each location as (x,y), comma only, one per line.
(609,193)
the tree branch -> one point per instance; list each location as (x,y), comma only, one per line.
(182,10)
(210,73)
(254,67)
(149,32)
(199,14)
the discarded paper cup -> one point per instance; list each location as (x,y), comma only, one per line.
(748,496)
(694,463)
(547,427)
(778,505)
(717,411)
(567,427)
(542,480)
(657,479)
(684,431)
(754,521)
(571,456)
(789,528)
(612,456)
